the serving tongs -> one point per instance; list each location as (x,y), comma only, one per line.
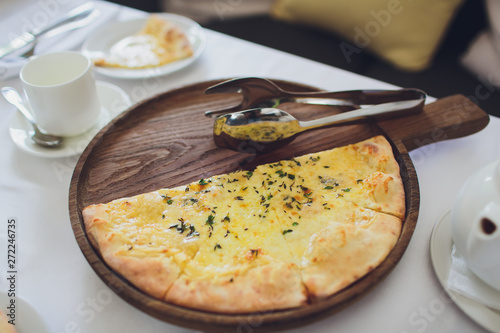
(263,93)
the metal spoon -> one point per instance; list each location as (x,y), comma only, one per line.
(40,138)
(263,130)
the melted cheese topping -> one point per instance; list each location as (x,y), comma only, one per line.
(224,225)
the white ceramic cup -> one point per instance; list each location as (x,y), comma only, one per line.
(475,219)
(61,91)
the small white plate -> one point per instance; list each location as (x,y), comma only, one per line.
(441,245)
(99,44)
(26,318)
(113,101)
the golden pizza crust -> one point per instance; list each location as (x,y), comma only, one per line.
(274,285)
(343,253)
(272,238)
(154,275)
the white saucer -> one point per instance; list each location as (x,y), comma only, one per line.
(99,44)
(441,245)
(26,318)
(113,101)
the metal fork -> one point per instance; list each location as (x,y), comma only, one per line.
(259,92)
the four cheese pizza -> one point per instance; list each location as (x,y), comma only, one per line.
(276,237)
(158,43)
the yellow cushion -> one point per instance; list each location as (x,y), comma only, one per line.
(405,33)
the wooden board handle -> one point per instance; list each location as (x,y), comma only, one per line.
(447,118)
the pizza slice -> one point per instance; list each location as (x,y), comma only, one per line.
(365,173)
(245,264)
(334,241)
(337,243)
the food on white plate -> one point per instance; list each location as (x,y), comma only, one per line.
(158,43)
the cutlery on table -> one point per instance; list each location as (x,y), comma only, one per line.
(267,129)
(260,93)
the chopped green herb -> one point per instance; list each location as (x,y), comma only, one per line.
(167,199)
(281,173)
(210,221)
(182,226)
(192,231)
(179,227)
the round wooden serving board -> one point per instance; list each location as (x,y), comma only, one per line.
(166,141)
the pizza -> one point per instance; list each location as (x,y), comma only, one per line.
(280,236)
(158,43)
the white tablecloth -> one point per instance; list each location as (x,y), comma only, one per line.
(55,278)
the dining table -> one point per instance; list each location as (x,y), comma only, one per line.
(54,285)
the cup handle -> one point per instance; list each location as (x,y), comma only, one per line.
(483,243)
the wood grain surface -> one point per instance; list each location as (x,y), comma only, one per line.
(167,141)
